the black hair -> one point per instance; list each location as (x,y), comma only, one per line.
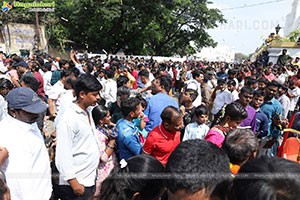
(75,71)
(144,73)
(202,160)
(143,101)
(251,81)
(284,87)
(69,72)
(240,144)
(221,81)
(123,90)
(6,84)
(231,71)
(62,63)
(122,80)
(231,82)
(259,93)
(31,82)
(109,73)
(201,110)
(247,90)
(89,67)
(165,81)
(86,83)
(169,113)
(196,73)
(234,110)
(291,83)
(120,186)
(274,84)
(116,65)
(263,80)
(101,70)
(98,113)
(193,93)
(35,66)
(71,82)
(263,182)
(48,66)
(140,66)
(129,105)
(40,61)
(206,78)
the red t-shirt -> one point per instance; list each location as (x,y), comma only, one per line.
(135,75)
(295,79)
(160,143)
(40,79)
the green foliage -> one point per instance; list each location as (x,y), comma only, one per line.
(294,35)
(156,27)
(240,57)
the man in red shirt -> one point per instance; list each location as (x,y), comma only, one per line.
(296,78)
(164,138)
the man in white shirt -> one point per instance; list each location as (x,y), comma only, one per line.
(57,91)
(110,92)
(27,169)
(221,96)
(47,77)
(284,100)
(281,76)
(195,84)
(146,91)
(231,87)
(293,93)
(77,153)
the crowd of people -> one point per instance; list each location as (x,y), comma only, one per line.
(134,128)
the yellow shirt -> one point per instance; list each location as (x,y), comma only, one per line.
(129,76)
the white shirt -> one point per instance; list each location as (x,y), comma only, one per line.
(110,92)
(145,95)
(55,93)
(151,77)
(47,79)
(235,95)
(285,104)
(79,67)
(290,73)
(195,85)
(222,98)
(77,151)
(66,101)
(210,83)
(170,72)
(195,131)
(189,75)
(3,107)
(281,79)
(102,82)
(294,100)
(178,74)
(27,169)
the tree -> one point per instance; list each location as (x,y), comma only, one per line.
(240,57)
(156,27)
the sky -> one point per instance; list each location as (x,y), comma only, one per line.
(247,28)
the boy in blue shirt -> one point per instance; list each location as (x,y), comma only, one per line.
(261,118)
(129,139)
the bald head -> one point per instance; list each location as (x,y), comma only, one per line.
(170,114)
